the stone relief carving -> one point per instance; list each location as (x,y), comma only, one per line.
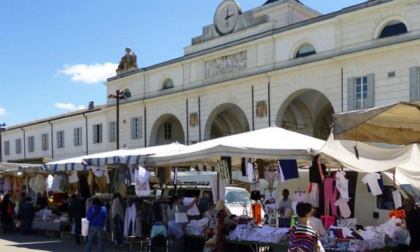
(193,119)
(226,64)
(261,110)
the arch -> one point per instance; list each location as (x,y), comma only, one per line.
(226,119)
(391,26)
(306,111)
(159,132)
(303,49)
(167,83)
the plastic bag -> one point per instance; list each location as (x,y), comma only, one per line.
(85,227)
(401,236)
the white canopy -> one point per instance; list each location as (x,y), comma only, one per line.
(268,143)
(121,156)
(15,168)
(405,159)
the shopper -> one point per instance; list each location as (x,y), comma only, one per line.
(302,236)
(97,216)
(6,214)
(215,233)
(27,214)
(176,230)
(118,216)
(412,221)
(76,213)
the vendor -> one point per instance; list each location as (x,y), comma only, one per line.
(41,201)
(284,203)
(65,205)
(412,214)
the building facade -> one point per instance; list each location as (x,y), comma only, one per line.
(281,63)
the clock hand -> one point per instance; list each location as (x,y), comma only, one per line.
(228,16)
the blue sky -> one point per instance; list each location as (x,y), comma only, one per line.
(55,55)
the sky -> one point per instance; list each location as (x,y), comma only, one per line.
(56,55)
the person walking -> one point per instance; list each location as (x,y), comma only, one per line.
(118,216)
(76,213)
(97,216)
(6,214)
(27,214)
(302,236)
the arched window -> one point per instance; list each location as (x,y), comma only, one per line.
(167,83)
(305,50)
(393,28)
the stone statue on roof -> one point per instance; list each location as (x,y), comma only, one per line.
(128,62)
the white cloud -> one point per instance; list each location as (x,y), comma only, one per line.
(2,111)
(90,73)
(68,106)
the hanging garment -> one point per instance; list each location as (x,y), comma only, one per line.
(330,196)
(344,207)
(53,183)
(289,168)
(313,194)
(250,171)
(397,199)
(84,186)
(130,219)
(317,174)
(373,183)
(298,197)
(73,178)
(142,186)
(342,184)
(243,166)
(7,185)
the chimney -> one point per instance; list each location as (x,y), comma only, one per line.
(91,105)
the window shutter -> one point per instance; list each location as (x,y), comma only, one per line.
(133,127)
(140,127)
(350,94)
(100,133)
(75,136)
(414,84)
(370,90)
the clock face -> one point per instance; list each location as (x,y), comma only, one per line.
(227,16)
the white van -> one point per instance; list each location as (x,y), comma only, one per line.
(195,184)
(369,210)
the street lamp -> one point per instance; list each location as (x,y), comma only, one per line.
(2,128)
(119,95)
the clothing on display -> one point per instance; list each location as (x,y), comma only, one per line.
(313,194)
(342,184)
(130,219)
(330,196)
(315,175)
(288,168)
(372,180)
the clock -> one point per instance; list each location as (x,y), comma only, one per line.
(226,16)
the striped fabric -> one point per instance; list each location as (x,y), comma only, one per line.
(302,238)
